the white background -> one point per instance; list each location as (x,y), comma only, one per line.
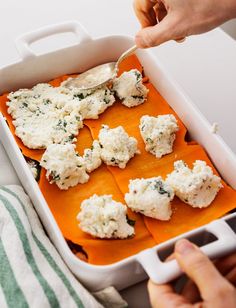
(205,66)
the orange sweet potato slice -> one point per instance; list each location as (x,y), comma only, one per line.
(186,218)
(65,206)
(129,118)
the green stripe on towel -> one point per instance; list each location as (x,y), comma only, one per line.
(13,293)
(48,257)
(51,296)
(60,274)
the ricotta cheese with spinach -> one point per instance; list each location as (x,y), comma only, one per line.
(151,197)
(102,217)
(158,133)
(130,88)
(198,186)
(117,147)
(92,103)
(64,166)
(92,157)
(44,115)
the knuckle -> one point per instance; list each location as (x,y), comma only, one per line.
(148,39)
(225,290)
(179,31)
(179,26)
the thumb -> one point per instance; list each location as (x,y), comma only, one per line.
(158,34)
(201,270)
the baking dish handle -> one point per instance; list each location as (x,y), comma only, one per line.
(24,41)
(163,272)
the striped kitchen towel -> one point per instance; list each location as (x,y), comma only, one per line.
(32,274)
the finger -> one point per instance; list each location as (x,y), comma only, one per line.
(201,270)
(164,296)
(145,12)
(158,34)
(190,292)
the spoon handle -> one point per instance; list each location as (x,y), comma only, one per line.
(126,54)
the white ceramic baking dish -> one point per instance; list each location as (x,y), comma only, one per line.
(217,238)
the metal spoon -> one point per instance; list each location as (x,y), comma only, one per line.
(98,75)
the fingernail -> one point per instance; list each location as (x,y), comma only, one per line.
(184,247)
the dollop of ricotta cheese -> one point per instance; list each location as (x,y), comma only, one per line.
(130,88)
(117,148)
(92,157)
(158,133)
(44,115)
(102,217)
(64,166)
(152,197)
(92,103)
(34,168)
(197,187)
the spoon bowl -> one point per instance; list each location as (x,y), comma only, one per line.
(94,77)
(99,75)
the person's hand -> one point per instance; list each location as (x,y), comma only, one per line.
(164,20)
(226,266)
(208,287)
